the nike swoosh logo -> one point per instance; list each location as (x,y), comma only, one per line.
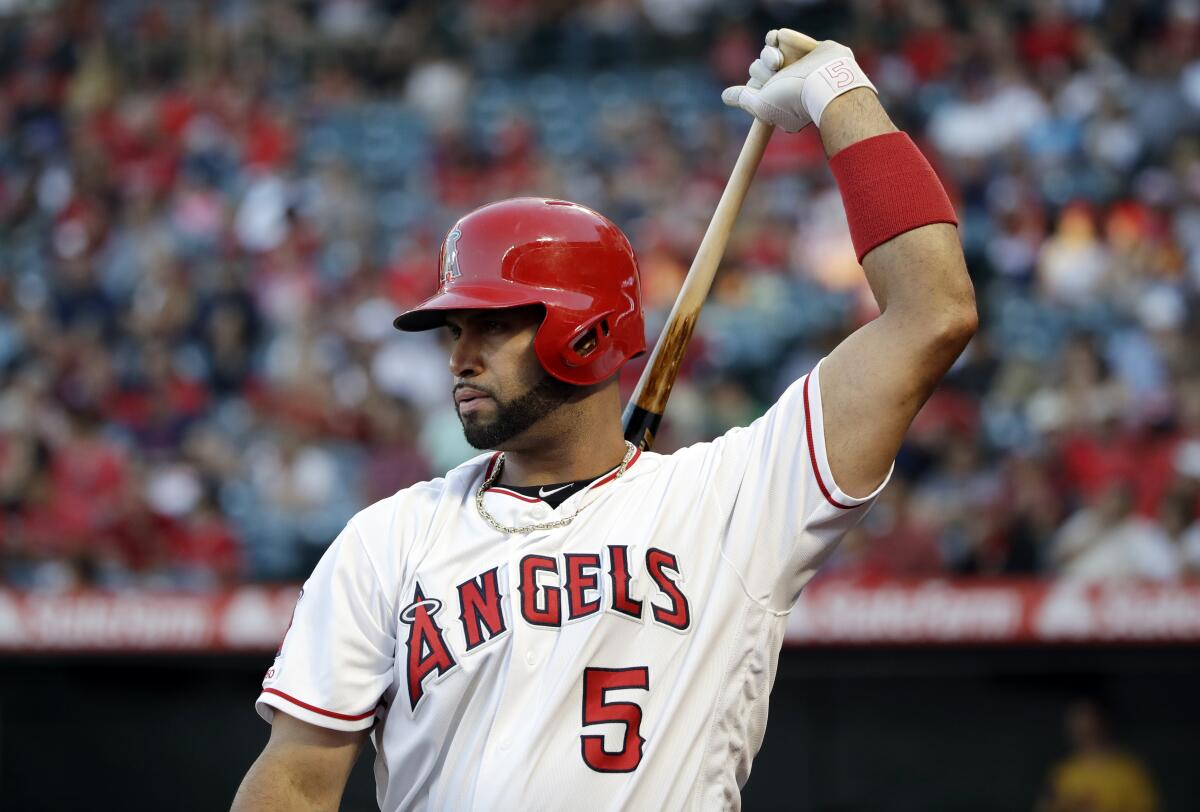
(543,493)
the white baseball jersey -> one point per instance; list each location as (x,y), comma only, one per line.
(621,662)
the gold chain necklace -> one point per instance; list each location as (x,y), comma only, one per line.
(630,450)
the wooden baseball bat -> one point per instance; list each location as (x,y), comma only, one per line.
(645,409)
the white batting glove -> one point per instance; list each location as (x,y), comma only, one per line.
(798,94)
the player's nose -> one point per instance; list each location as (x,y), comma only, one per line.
(465,358)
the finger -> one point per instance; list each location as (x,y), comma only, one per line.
(752,102)
(771,57)
(772,38)
(732,96)
(749,100)
(745,98)
(759,74)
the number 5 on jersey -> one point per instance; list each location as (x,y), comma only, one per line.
(597,682)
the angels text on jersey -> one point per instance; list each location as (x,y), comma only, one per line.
(552,591)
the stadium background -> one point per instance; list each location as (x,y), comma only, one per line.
(209,213)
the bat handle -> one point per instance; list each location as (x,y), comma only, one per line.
(640,425)
(645,410)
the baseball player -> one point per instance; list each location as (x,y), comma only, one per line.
(566,622)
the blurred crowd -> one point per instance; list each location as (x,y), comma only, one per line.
(211,211)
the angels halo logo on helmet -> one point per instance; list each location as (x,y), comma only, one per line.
(571,260)
(449,253)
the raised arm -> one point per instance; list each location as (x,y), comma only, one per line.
(874,382)
(303,767)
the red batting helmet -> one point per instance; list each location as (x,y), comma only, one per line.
(561,255)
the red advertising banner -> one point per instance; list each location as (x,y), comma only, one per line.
(970,612)
(244,619)
(829,612)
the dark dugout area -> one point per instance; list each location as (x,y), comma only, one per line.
(850,730)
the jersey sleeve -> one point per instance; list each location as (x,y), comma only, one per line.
(785,511)
(336,659)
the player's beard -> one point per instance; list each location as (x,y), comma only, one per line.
(518,414)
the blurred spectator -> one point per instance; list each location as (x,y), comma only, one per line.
(203,549)
(1107,541)
(894,541)
(1098,776)
(210,214)
(1073,263)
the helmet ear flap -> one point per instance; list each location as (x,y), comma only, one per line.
(577,353)
(588,343)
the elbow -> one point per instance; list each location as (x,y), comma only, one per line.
(961,324)
(950,327)
(959,315)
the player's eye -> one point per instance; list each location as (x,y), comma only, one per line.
(455,332)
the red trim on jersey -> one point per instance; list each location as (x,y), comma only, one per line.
(812,452)
(613,475)
(491,464)
(524,498)
(497,489)
(333,715)
(513,494)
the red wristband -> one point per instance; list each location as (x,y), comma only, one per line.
(888,188)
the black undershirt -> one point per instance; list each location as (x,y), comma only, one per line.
(554,495)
